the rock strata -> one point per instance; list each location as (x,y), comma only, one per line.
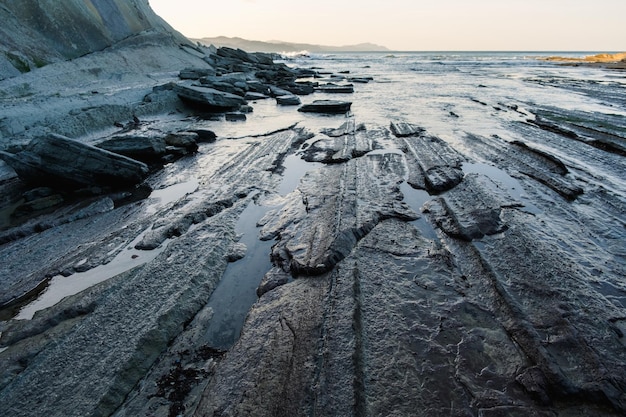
(57,161)
(326,106)
(208,98)
(147,149)
(437,165)
(288,100)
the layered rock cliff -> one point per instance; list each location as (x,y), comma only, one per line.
(35,33)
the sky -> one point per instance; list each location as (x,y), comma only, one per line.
(410,25)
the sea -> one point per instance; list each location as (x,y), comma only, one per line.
(449,93)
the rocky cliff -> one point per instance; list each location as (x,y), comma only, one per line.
(35,33)
(79,66)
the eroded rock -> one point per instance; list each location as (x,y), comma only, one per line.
(208,98)
(326,106)
(341,205)
(56,160)
(434,165)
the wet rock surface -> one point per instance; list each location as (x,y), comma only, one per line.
(326,106)
(60,161)
(382,268)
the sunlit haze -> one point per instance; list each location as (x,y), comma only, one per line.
(409,24)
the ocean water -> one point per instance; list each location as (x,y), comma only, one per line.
(448,93)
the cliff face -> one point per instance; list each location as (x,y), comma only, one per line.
(35,33)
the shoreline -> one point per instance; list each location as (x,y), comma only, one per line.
(471,265)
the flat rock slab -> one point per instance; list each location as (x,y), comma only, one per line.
(342,204)
(433,164)
(335,88)
(342,148)
(472,210)
(141,148)
(56,161)
(288,100)
(327,106)
(208,98)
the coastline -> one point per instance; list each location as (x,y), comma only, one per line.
(615,61)
(450,241)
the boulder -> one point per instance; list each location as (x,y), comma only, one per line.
(305,72)
(258,87)
(186,140)
(252,95)
(58,161)
(277,91)
(208,98)
(327,106)
(142,148)
(301,88)
(288,100)
(205,135)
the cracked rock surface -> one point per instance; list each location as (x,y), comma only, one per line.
(423,265)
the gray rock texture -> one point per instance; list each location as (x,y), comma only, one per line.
(58,161)
(473,268)
(36,33)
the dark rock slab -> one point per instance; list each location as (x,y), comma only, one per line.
(241,55)
(238,88)
(354,342)
(335,88)
(185,140)
(277,91)
(553,163)
(97,363)
(252,95)
(59,161)
(301,88)
(345,129)
(208,98)
(540,165)
(472,210)
(438,166)
(288,100)
(235,117)
(351,144)
(205,135)
(360,80)
(327,107)
(142,148)
(551,170)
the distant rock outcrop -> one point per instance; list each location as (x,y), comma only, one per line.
(35,33)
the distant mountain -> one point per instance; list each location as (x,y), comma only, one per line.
(280,46)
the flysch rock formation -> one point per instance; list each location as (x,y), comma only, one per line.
(38,33)
(358,269)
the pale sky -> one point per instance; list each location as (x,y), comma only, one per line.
(418,25)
